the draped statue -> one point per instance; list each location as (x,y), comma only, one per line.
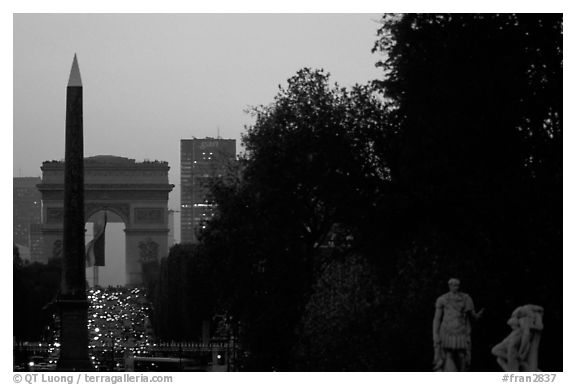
(518,352)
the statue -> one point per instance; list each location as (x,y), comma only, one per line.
(518,352)
(452,330)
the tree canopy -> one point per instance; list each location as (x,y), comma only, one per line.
(477,163)
(351,208)
(310,165)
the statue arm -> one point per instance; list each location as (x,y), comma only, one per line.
(436,324)
(472,311)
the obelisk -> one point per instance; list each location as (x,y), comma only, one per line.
(73,303)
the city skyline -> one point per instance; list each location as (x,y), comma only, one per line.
(184,75)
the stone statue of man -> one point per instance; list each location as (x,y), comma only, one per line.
(452,329)
(518,352)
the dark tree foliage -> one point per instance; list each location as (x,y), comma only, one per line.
(476,174)
(310,164)
(35,286)
(338,330)
(183,295)
(351,209)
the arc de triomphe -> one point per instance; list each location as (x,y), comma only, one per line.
(135,193)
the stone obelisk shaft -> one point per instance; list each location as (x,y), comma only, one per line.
(73,303)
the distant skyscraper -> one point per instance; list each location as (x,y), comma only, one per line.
(27,208)
(202,161)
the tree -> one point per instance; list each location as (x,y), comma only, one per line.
(310,164)
(338,329)
(35,286)
(183,296)
(476,167)
(453,170)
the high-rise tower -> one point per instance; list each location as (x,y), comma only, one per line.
(201,162)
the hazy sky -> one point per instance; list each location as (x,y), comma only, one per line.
(152,79)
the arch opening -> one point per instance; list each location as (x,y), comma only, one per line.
(113,273)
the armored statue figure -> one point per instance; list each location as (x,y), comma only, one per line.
(452,329)
(518,352)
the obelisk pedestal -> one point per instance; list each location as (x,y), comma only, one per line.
(72,301)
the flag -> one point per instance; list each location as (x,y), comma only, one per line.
(95,248)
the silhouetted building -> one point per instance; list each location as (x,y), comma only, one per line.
(171,234)
(202,161)
(27,208)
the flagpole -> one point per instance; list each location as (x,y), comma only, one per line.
(95,272)
(96,267)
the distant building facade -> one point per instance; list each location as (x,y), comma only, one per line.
(202,161)
(27,210)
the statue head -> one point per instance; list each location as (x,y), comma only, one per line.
(454,285)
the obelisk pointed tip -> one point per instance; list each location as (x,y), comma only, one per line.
(75,80)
